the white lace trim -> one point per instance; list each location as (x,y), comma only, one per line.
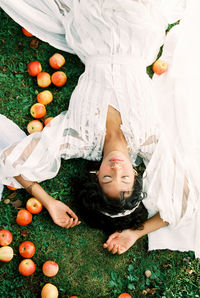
(126,212)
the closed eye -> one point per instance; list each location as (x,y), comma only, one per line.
(107,179)
(126,179)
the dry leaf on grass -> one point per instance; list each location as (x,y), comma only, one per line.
(34,43)
(24,233)
(6,201)
(12,195)
(17,203)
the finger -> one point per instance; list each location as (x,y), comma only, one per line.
(69,223)
(105,245)
(120,250)
(74,223)
(110,247)
(111,237)
(68,210)
(114,250)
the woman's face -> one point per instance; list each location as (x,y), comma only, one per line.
(116,175)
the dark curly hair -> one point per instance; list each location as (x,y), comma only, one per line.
(92,202)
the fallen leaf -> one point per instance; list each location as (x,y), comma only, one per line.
(24,233)
(34,43)
(12,195)
(167,266)
(17,203)
(23,83)
(151,291)
(6,201)
(190,271)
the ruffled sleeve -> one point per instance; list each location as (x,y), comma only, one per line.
(37,157)
(42,18)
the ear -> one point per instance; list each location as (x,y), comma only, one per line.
(97,173)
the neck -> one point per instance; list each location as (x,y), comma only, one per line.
(114,139)
(115,143)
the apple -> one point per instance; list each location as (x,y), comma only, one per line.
(43,79)
(27,267)
(49,291)
(11,188)
(38,110)
(6,254)
(59,78)
(5,237)
(124,295)
(24,217)
(27,249)
(73,297)
(50,268)
(34,68)
(34,126)
(25,32)
(159,67)
(57,61)
(45,97)
(33,205)
(47,120)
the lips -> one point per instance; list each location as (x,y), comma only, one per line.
(115,159)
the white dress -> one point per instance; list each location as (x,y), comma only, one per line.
(116,40)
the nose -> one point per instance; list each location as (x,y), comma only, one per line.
(115,165)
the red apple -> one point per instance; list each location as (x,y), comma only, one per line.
(33,205)
(159,67)
(5,237)
(47,120)
(38,110)
(45,97)
(43,79)
(59,78)
(34,68)
(50,268)
(25,32)
(34,126)
(24,217)
(27,267)
(73,297)
(11,188)
(27,249)
(124,295)
(49,291)
(57,61)
(6,254)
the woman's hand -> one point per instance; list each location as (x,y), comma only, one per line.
(58,210)
(121,242)
(59,213)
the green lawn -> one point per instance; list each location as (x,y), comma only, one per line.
(86,270)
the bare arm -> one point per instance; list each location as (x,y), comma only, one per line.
(121,242)
(152,224)
(57,209)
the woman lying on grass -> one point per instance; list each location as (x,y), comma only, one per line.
(112,117)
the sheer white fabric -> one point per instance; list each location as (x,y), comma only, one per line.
(172,176)
(117,40)
(128,37)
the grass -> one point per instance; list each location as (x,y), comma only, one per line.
(86,270)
